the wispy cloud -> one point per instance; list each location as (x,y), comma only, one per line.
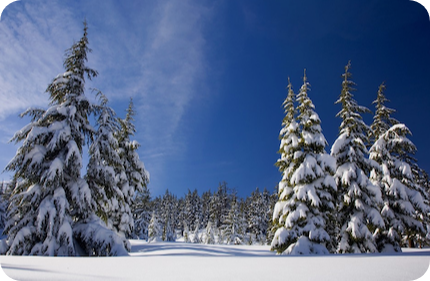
(151,51)
(158,62)
(33,41)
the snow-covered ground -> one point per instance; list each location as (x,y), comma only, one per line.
(182,261)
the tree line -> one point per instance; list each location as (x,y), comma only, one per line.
(220,217)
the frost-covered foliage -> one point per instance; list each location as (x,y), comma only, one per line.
(131,175)
(99,239)
(357,211)
(307,189)
(404,205)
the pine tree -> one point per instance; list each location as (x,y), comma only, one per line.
(103,159)
(257,217)
(289,136)
(50,195)
(196,238)
(232,226)
(209,237)
(403,202)
(168,231)
(358,216)
(154,230)
(186,233)
(132,176)
(304,207)
(192,206)
(271,226)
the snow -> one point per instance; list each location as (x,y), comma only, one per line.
(185,261)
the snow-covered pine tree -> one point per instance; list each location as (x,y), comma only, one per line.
(219,205)
(205,211)
(103,160)
(169,234)
(358,216)
(196,235)
(132,176)
(154,229)
(404,206)
(232,226)
(289,136)
(50,195)
(209,235)
(100,238)
(192,210)
(186,233)
(257,217)
(382,121)
(271,226)
(304,213)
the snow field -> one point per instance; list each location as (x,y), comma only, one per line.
(186,261)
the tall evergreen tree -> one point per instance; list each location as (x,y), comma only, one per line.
(103,160)
(132,176)
(305,212)
(52,206)
(358,199)
(289,136)
(404,205)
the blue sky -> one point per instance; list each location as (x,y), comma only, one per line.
(208,78)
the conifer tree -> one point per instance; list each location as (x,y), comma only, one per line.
(358,216)
(50,195)
(103,160)
(196,238)
(154,230)
(132,176)
(403,202)
(305,211)
(289,136)
(232,226)
(209,237)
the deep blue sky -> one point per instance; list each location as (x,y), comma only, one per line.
(208,78)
